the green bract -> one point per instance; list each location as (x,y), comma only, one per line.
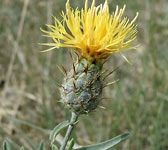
(81,90)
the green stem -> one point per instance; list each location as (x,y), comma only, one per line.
(74,118)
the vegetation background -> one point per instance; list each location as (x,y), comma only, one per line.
(29,98)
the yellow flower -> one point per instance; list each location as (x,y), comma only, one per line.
(93,32)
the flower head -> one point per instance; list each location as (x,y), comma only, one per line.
(93,32)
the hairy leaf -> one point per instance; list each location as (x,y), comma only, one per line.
(22,148)
(54,147)
(41,146)
(107,144)
(71,144)
(6,145)
(57,130)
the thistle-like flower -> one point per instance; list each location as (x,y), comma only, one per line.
(94,34)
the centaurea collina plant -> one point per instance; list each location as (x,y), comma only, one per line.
(94,34)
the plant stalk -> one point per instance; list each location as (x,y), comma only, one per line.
(74,118)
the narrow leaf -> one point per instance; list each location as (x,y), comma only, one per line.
(57,130)
(22,148)
(107,144)
(41,146)
(54,147)
(71,144)
(6,145)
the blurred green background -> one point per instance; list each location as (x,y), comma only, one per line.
(29,97)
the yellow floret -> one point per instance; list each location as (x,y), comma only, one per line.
(93,32)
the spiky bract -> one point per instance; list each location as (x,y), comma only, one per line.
(81,91)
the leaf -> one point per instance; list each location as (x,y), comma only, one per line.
(107,144)
(54,147)
(71,144)
(6,145)
(41,146)
(57,130)
(22,148)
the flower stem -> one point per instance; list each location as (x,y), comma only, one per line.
(74,118)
